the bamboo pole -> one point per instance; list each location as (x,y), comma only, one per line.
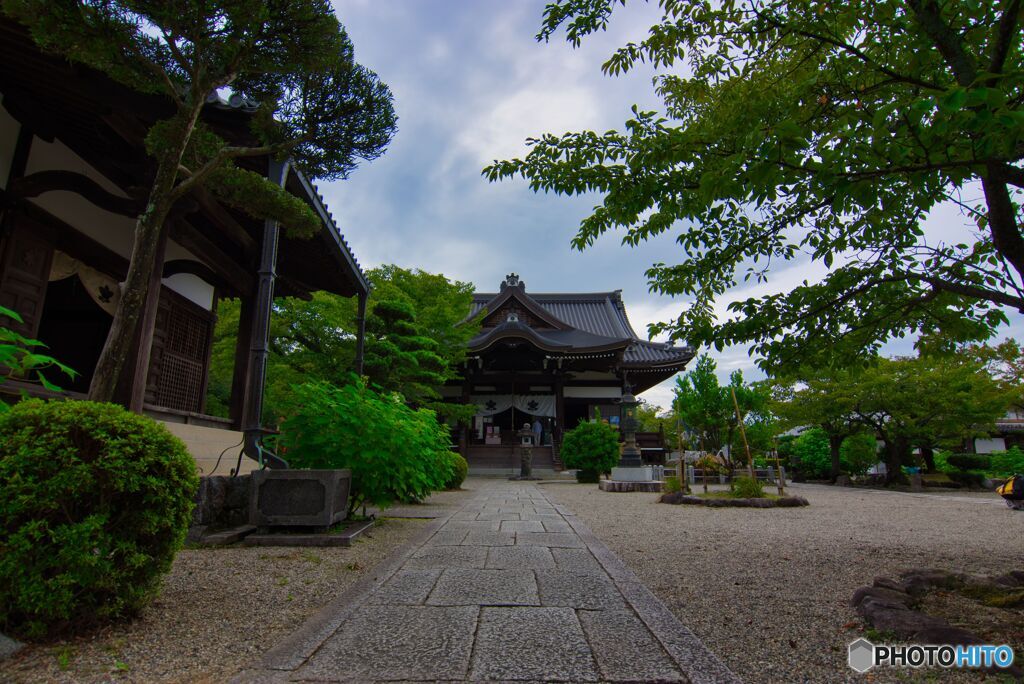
(743,433)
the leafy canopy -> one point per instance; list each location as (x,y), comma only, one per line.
(811,130)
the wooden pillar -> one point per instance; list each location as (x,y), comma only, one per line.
(240,376)
(559,404)
(465,427)
(361,332)
(147,323)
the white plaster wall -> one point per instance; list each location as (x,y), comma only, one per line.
(8,139)
(987,446)
(191,287)
(113,231)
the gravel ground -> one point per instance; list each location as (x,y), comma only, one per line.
(219,609)
(768,589)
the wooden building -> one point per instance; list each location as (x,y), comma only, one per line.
(74,174)
(559,358)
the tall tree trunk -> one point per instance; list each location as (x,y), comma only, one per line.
(895,450)
(148,228)
(929,458)
(835,441)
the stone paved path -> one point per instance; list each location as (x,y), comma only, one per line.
(510,587)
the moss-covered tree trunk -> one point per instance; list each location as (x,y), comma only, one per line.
(148,229)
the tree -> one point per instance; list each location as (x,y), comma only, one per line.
(707,412)
(316,106)
(817,130)
(820,398)
(315,339)
(925,402)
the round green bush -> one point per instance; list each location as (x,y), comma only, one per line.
(591,448)
(969,461)
(460,469)
(94,503)
(588,476)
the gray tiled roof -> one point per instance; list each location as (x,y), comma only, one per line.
(602,314)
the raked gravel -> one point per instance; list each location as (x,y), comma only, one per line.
(220,609)
(768,589)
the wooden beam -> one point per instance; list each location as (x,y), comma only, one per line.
(240,279)
(36,184)
(226,222)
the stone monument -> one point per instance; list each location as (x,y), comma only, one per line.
(631,475)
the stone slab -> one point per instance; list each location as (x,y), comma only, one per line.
(462,587)
(563,540)
(225,537)
(519,557)
(489,538)
(343,538)
(446,537)
(395,643)
(522,526)
(628,486)
(555,525)
(447,557)
(577,561)
(472,525)
(532,643)
(625,649)
(587,592)
(406,587)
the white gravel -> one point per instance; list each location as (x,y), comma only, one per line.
(768,589)
(219,609)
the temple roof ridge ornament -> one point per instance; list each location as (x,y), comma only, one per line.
(512,280)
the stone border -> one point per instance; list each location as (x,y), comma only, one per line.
(698,663)
(889,605)
(343,538)
(677,498)
(295,649)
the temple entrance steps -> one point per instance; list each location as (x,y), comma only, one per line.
(505,460)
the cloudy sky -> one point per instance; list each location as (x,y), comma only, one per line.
(471,84)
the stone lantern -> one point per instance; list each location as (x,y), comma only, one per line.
(526,452)
(630,457)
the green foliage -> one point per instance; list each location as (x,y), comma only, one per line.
(394,452)
(858,453)
(588,476)
(942,464)
(315,340)
(707,411)
(96,502)
(1006,463)
(460,469)
(19,356)
(747,488)
(671,484)
(591,447)
(812,457)
(969,461)
(810,128)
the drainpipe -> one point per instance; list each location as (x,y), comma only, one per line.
(252,422)
(361,335)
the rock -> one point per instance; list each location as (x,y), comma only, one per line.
(946,635)
(791,502)
(9,646)
(918,582)
(889,583)
(1018,574)
(879,593)
(903,623)
(1008,580)
(870,605)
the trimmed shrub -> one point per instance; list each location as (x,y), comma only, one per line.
(858,453)
(592,448)
(747,488)
(812,458)
(395,453)
(1006,463)
(460,469)
(94,503)
(969,461)
(588,476)
(671,484)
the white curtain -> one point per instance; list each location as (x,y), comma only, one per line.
(533,404)
(103,289)
(536,404)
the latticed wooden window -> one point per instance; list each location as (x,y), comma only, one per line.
(181,365)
